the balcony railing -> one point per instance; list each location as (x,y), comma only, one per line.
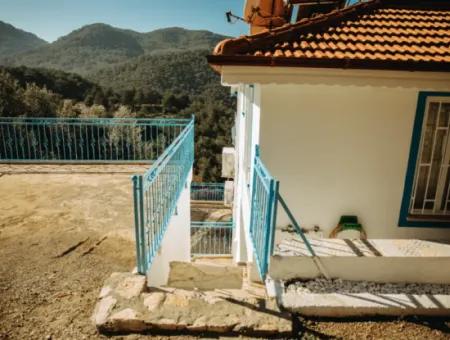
(264,204)
(82,140)
(263,214)
(156,194)
(211,238)
(207,191)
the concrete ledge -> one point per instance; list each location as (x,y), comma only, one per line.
(365,304)
(414,261)
(376,269)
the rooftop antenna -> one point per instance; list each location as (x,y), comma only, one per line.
(232,18)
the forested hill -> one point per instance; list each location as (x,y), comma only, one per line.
(67,85)
(96,46)
(182,72)
(14,40)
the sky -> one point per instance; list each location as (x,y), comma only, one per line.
(50,19)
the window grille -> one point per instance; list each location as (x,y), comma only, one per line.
(430,193)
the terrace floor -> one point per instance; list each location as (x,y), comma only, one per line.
(62,232)
(65,229)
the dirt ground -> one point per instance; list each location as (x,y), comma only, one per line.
(62,234)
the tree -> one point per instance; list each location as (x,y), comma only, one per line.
(128,97)
(11,104)
(152,97)
(39,102)
(67,109)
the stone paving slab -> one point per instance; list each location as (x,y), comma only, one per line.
(121,309)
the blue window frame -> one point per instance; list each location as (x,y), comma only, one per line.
(426,196)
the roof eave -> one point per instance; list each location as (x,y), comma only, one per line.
(217,61)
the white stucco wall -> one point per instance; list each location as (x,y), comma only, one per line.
(339,143)
(176,244)
(242,247)
(341,150)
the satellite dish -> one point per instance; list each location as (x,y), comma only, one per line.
(250,8)
(265,13)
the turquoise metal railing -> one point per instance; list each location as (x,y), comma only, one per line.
(263,214)
(207,191)
(264,204)
(96,140)
(211,238)
(156,194)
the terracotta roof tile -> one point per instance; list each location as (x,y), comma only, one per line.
(377,31)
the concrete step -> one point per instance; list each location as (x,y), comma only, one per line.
(415,261)
(205,275)
(338,298)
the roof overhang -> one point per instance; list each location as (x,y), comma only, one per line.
(217,61)
(233,75)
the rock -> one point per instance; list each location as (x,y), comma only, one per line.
(130,286)
(153,300)
(105,291)
(168,324)
(102,310)
(199,325)
(126,319)
(176,300)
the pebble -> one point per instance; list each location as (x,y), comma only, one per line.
(323,286)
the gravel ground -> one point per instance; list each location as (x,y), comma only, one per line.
(342,286)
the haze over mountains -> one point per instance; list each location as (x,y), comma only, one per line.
(14,40)
(92,47)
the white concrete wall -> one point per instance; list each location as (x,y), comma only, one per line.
(338,141)
(354,268)
(176,244)
(341,150)
(242,247)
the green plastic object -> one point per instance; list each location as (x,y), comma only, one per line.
(350,222)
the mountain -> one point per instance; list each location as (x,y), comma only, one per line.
(96,46)
(14,40)
(185,72)
(176,38)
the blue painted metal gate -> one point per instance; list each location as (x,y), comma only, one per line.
(263,214)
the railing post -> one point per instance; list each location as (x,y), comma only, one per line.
(138,200)
(142,243)
(269,233)
(273,222)
(137,225)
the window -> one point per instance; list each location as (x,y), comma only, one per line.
(426,200)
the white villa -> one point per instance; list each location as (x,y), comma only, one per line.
(351,113)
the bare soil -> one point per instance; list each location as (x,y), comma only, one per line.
(62,234)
